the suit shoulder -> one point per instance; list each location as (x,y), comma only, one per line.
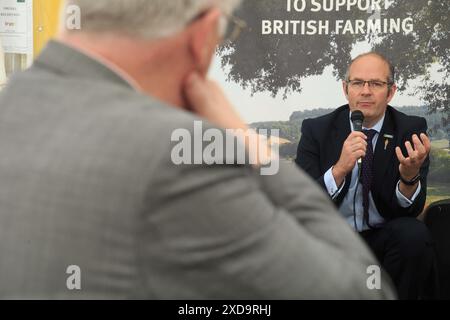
(326,119)
(409,122)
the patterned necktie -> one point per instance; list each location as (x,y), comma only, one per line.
(367,173)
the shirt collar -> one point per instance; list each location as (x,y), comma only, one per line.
(377,127)
(79,61)
(111,66)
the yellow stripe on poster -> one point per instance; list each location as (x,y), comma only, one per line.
(45,22)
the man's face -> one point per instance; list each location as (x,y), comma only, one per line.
(372,101)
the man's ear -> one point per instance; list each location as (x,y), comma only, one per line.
(391,93)
(345,88)
(204,39)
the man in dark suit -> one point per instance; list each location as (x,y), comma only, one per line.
(383,203)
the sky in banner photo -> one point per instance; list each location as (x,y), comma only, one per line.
(322,91)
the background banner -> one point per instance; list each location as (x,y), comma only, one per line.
(288,63)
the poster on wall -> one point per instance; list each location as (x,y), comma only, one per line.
(16,26)
(289,61)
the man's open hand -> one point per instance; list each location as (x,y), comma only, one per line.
(410,165)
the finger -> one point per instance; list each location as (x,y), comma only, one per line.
(360,154)
(411,153)
(426,142)
(357,134)
(359,146)
(400,156)
(359,140)
(407,163)
(197,92)
(418,146)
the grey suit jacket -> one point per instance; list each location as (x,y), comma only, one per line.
(86,180)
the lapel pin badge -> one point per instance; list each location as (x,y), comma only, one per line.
(387,137)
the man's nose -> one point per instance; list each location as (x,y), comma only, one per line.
(366,89)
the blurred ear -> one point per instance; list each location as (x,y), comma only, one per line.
(391,93)
(345,88)
(204,38)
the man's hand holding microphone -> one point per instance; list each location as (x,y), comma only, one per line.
(353,150)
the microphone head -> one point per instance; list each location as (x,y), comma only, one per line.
(357,119)
(357,115)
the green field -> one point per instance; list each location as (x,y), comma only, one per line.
(436,192)
(440,144)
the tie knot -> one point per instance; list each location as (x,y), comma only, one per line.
(370,133)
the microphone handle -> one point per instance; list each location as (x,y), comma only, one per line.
(359,177)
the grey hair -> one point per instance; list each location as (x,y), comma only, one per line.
(148,19)
(391,76)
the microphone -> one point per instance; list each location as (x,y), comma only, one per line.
(357,119)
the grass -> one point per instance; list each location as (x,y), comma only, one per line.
(431,199)
(440,144)
(437,191)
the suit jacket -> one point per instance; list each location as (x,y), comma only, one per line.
(87,180)
(321,145)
